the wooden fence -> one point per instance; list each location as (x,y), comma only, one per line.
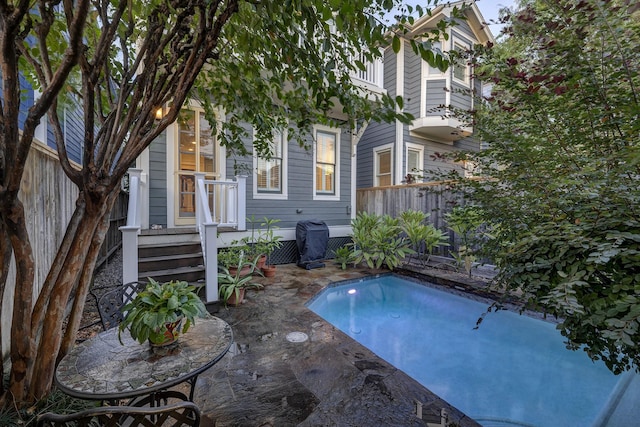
(434,198)
(113,238)
(49,200)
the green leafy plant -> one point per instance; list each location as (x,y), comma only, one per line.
(231,257)
(344,256)
(160,304)
(465,222)
(234,283)
(268,241)
(378,241)
(423,237)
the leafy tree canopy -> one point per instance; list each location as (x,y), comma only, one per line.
(562,187)
(264,64)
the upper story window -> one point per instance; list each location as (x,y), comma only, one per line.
(326,158)
(461,67)
(270,177)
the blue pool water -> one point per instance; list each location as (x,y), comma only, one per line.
(513,370)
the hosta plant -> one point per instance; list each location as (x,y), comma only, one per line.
(159,305)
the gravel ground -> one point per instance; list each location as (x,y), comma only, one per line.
(108,276)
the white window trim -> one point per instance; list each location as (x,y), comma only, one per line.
(284,195)
(377,150)
(456,42)
(428,75)
(415,147)
(173,219)
(337,132)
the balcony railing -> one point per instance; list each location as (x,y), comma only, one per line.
(372,73)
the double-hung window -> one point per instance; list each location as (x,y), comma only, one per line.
(461,67)
(383,166)
(415,160)
(326,158)
(270,177)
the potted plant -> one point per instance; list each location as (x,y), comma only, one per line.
(232,286)
(161,312)
(269,242)
(234,259)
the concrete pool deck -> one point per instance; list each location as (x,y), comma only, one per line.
(327,380)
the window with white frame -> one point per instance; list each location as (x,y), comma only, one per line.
(270,177)
(461,67)
(326,158)
(383,165)
(415,160)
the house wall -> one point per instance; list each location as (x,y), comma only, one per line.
(377,134)
(300,187)
(420,101)
(157,180)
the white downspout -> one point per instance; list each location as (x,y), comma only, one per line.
(399,145)
(355,138)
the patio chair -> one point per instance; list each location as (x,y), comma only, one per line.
(177,414)
(111,303)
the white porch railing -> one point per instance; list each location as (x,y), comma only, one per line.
(373,72)
(132,229)
(218,203)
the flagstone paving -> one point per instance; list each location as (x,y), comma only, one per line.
(326,380)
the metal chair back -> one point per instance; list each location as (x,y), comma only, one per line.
(110,304)
(177,414)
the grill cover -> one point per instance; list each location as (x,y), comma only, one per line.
(312,237)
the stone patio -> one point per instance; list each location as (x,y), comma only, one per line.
(327,380)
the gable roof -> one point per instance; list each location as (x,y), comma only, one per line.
(475,20)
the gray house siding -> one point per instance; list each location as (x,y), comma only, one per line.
(421,98)
(377,134)
(300,187)
(435,97)
(158,180)
(412,76)
(73,128)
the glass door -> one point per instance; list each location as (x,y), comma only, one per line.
(197,152)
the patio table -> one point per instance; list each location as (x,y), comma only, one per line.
(102,368)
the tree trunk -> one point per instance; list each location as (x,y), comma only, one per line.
(77,266)
(21,344)
(6,252)
(85,278)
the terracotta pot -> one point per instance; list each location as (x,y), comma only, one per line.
(236,299)
(269,270)
(170,334)
(245,271)
(261,262)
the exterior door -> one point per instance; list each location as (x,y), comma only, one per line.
(197,152)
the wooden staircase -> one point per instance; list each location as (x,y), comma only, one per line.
(170,254)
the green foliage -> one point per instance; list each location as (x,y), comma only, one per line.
(231,283)
(160,303)
(344,256)
(232,256)
(465,222)
(424,238)
(561,171)
(378,241)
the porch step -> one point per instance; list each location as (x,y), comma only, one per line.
(154,250)
(174,254)
(189,274)
(174,260)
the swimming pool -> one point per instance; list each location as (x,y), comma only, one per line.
(513,370)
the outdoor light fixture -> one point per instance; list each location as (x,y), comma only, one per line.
(159,113)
